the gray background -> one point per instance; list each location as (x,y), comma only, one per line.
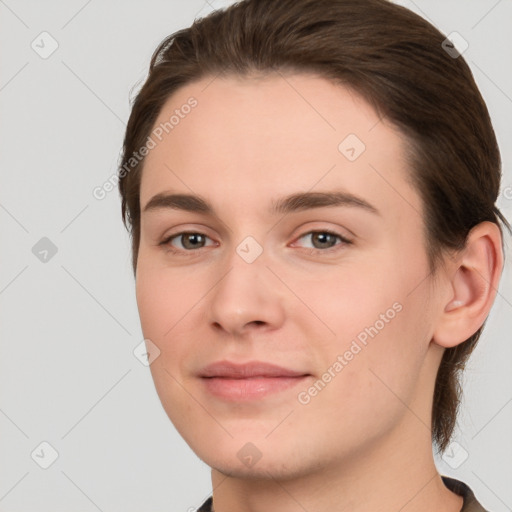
(68,375)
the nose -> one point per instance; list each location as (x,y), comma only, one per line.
(247,298)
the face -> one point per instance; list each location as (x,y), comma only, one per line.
(302,248)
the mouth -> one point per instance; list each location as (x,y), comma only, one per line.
(250,381)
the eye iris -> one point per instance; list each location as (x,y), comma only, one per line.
(192,240)
(323,240)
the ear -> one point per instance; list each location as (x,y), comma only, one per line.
(473,284)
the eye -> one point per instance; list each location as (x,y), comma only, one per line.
(186,241)
(322,240)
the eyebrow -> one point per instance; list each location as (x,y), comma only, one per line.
(295,202)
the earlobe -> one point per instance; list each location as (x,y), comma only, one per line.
(473,284)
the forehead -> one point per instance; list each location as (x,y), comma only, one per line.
(248,138)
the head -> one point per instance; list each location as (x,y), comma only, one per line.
(266,96)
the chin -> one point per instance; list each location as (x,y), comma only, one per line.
(259,461)
(262,470)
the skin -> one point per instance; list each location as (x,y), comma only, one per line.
(364,441)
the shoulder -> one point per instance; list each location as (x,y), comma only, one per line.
(470,502)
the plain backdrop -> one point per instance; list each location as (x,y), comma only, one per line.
(68,319)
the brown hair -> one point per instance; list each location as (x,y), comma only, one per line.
(392,58)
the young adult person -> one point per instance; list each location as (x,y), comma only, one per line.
(310,188)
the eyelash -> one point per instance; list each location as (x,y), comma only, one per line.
(167,242)
(334,248)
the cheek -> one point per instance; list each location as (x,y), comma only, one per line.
(164,298)
(166,303)
(349,300)
(379,322)
(377,378)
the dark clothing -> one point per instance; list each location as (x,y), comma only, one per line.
(460,488)
(456,486)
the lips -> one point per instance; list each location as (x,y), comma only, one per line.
(229,370)
(251,381)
